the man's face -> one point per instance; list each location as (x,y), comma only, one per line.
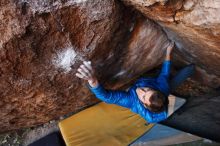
(144,94)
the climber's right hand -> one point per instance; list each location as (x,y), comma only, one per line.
(86,72)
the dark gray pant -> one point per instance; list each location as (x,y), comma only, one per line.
(181,76)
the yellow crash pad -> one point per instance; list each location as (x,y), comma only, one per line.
(103,125)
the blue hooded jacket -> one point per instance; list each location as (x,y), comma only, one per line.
(129,99)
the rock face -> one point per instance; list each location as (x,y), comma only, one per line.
(194,25)
(43,42)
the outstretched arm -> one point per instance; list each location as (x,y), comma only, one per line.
(121,98)
(118,97)
(165,71)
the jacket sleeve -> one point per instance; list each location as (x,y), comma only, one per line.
(165,71)
(118,97)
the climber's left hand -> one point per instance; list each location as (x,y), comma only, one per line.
(169,50)
(170,47)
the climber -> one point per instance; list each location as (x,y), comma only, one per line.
(148,97)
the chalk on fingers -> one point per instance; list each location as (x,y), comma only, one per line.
(88,65)
(79,75)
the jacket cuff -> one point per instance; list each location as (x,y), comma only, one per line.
(167,62)
(94,89)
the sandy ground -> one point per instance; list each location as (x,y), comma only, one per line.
(26,136)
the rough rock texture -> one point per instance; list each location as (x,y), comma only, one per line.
(195,27)
(43,42)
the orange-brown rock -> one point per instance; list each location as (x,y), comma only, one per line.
(43,42)
(194,25)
